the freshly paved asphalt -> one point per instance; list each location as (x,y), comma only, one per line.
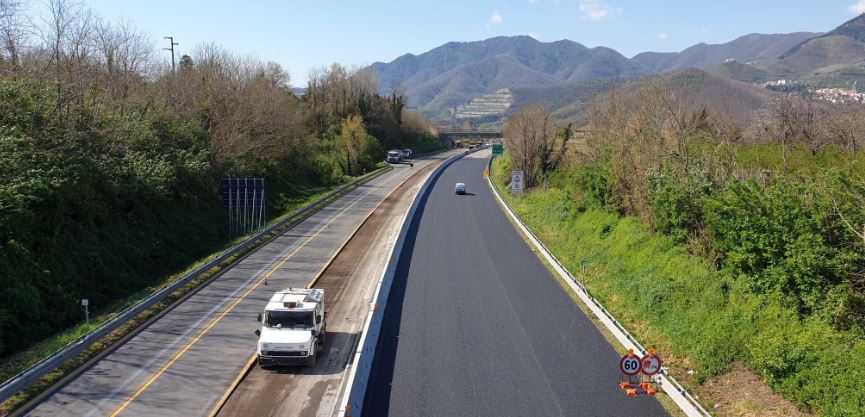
(191,381)
(476,326)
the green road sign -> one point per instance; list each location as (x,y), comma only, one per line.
(498,149)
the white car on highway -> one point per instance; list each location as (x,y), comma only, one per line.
(460,188)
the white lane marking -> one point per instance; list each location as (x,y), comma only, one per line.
(225,300)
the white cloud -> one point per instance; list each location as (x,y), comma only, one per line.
(596,10)
(496,18)
(858,7)
(663,36)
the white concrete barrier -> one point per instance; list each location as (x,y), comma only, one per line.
(361,365)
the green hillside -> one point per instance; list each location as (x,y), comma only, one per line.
(741,72)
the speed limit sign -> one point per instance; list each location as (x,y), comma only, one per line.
(630,364)
(651,363)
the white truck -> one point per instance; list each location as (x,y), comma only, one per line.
(394,156)
(293,328)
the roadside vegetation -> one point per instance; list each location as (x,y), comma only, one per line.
(716,243)
(110,160)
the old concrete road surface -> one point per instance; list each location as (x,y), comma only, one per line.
(477,326)
(183,363)
(348,283)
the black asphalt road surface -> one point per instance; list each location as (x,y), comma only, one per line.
(476,326)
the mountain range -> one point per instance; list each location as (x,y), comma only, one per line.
(438,81)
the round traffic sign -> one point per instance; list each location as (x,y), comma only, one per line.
(630,364)
(651,364)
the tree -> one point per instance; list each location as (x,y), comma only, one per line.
(124,52)
(533,144)
(11,30)
(351,140)
(788,120)
(186,63)
(846,125)
(397,103)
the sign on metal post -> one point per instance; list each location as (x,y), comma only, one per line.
(630,364)
(517,182)
(498,149)
(651,364)
(86,303)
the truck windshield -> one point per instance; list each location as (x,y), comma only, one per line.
(285,319)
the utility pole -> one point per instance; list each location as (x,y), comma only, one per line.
(173,44)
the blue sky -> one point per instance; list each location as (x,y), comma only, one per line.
(302,35)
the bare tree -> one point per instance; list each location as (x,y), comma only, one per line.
(12,30)
(67,34)
(533,144)
(335,93)
(789,120)
(846,125)
(124,52)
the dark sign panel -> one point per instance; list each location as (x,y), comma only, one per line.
(244,199)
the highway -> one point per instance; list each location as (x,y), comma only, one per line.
(184,362)
(477,326)
(349,283)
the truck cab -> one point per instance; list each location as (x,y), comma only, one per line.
(293,328)
(394,156)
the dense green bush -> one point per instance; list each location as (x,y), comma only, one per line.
(783,237)
(594,180)
(97,213)
(677,205)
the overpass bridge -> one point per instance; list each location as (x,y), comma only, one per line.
(448,137)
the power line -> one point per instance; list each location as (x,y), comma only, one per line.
(173,44)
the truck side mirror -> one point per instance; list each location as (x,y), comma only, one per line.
(259,316)
(318,319)
(257,332)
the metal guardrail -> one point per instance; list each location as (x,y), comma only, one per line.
(364,350)
(38,370)
(680,396)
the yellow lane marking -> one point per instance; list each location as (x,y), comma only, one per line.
(224,399)
(231,307)
(359,225)
(251,361)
